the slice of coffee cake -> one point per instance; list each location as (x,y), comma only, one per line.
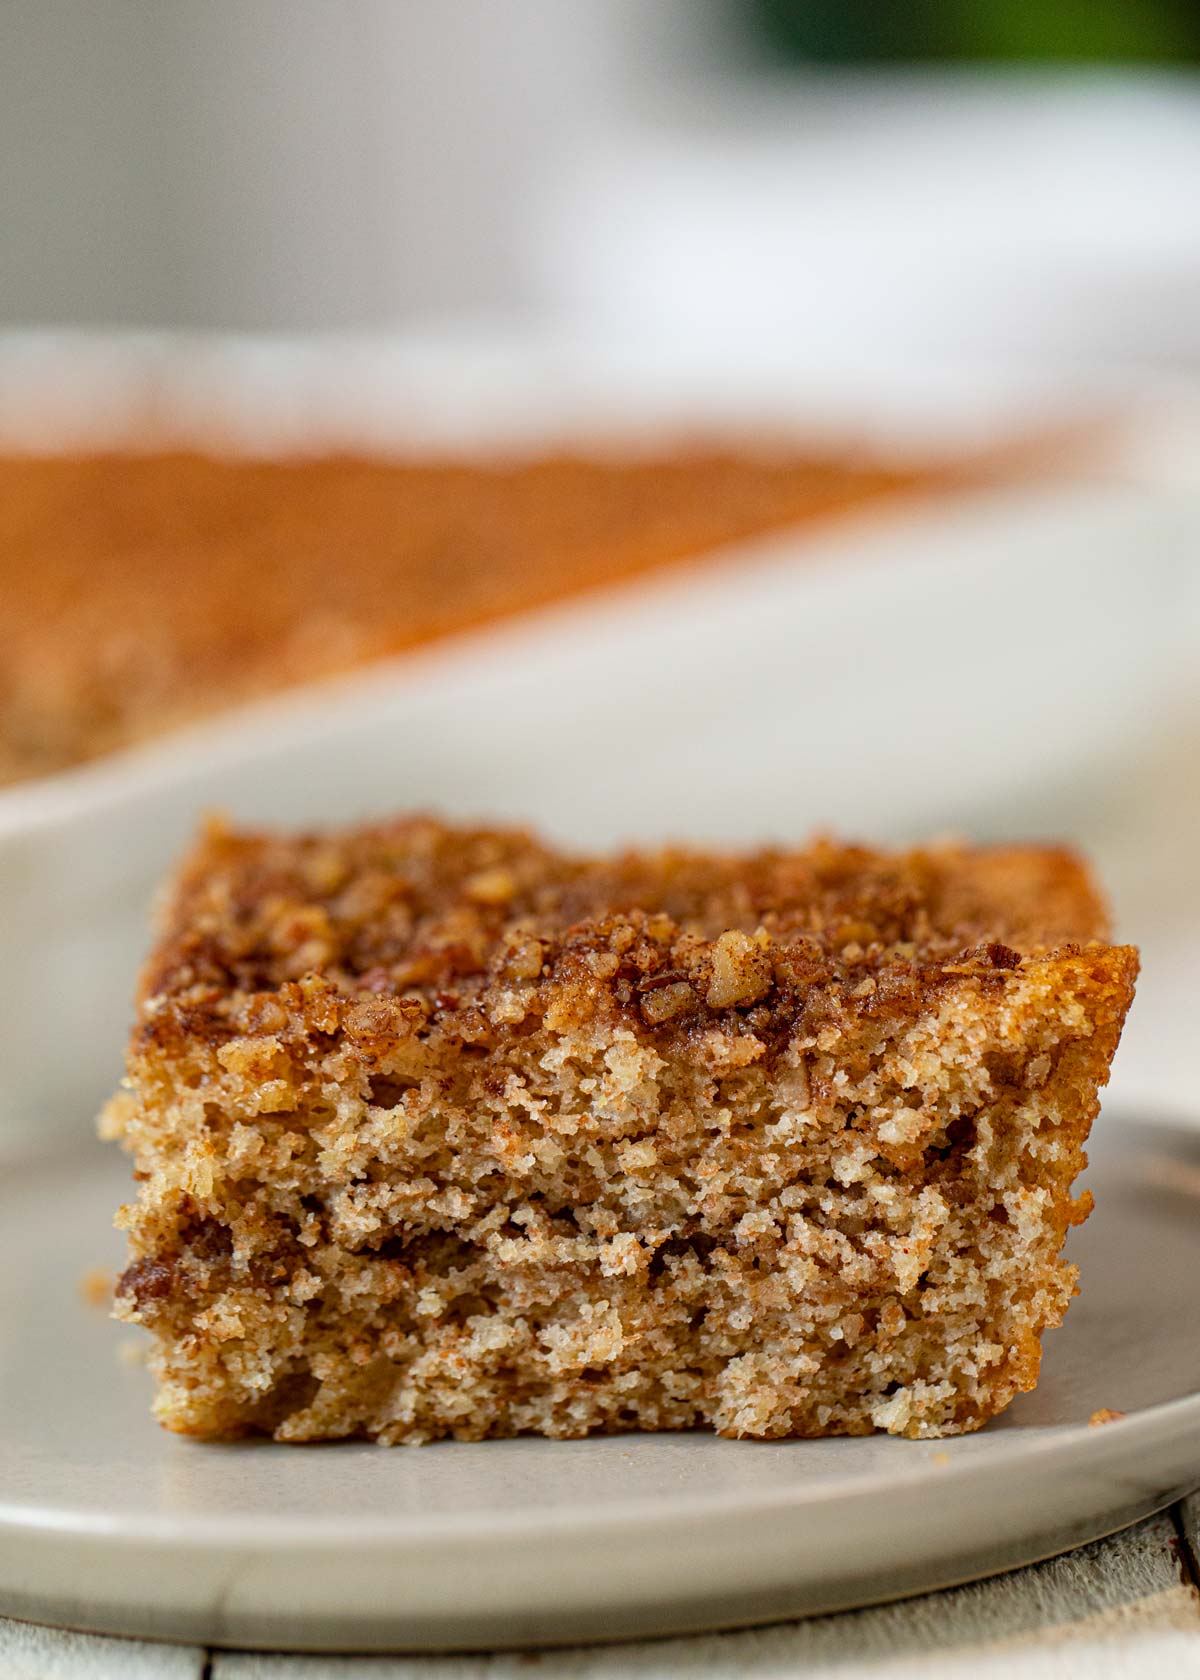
(443,1132)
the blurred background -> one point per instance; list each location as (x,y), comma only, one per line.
(924,227)
(999,176)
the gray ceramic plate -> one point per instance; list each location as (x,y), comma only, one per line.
(107,1523)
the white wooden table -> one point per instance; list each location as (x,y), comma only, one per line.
(1126,1607)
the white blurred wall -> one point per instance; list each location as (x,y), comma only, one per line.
(1004,214)
(294,163)
(611,165)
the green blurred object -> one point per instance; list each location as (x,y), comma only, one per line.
(1071,31)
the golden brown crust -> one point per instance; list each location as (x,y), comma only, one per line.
(142,591)
(451,920)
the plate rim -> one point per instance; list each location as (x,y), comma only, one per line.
(1078,1446)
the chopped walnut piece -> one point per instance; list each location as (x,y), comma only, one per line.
(665,1002)
(491,886)
(741,971)
(525,962)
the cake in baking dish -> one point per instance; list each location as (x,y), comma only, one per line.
(146,591)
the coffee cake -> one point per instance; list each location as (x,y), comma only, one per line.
(145,591)
(443,1132)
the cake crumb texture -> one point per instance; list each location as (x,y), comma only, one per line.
(443,1132)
